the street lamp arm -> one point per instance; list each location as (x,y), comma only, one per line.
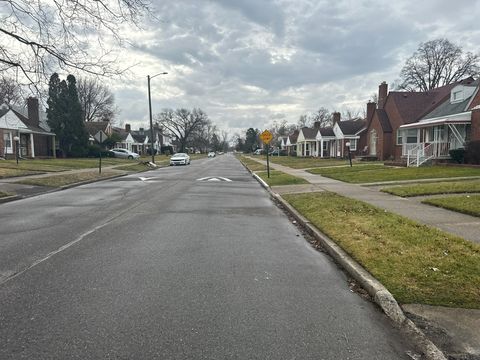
(162,73)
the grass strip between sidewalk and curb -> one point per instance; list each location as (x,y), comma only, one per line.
(416,263)
(278,178)
(444,187)
(374,173)
(252,165)
(68,179)
(2,194)
(305,162)
(8,173)
(466,204)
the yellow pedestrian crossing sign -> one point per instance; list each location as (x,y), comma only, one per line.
(266,137)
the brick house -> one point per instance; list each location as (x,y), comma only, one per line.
(395,109)
(351,132)
(29,126)
(448,126)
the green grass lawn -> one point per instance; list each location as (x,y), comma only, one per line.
(467,204)
(2,194)
(252,165)
(57,165)
(417,263)
(375,173)
(304,163)
(444,187)
(7,173)
(67,179)
(279,178)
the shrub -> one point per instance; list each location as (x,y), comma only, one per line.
(458,155)
(472,152)
(93,151)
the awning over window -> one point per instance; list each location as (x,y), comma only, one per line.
(436,122)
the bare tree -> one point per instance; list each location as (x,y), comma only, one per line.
(9,91)
(38,38)
(349,114)
(182,123)
(437,63)
(322,116)
(303,121)
(98,102)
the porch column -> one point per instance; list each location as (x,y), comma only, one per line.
(32,146)
(53,147)
(321,148)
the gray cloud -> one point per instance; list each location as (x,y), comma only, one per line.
(248,63)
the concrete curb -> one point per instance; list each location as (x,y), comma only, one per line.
(380,295)
(6,199)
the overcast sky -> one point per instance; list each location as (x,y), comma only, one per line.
(247,63)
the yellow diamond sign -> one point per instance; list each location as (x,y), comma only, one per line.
(266,137)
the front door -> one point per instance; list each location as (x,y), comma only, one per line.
(373,142)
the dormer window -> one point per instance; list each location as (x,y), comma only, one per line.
(461,93)
(457,96)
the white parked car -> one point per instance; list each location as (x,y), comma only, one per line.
(211,154)
(180,159)
(124,154)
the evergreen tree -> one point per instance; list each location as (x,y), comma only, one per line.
(78,136)
(64,116)
(251,140)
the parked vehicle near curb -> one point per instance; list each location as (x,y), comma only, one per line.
(211,154)
(124,154)
(180,159)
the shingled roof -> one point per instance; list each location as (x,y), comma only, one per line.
(351,127)
(412,106)
(328,131)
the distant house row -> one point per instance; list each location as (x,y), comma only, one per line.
(134,140)
(402,126)
(27,127)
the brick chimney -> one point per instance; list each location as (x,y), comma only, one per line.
(316,125)
(371,106)
(127,128)
(382,94)
(336,117)
(33,112)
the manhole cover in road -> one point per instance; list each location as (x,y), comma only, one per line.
(213,178)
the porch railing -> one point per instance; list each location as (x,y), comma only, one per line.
(420,154)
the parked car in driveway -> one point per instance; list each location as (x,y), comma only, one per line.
(180,159)
(124,154)
(277,152)
(211,154)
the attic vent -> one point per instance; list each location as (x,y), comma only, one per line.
(405,95)
(4,107)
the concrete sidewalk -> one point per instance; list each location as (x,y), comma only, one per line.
(455,331)
(465,226)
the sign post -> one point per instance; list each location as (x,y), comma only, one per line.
(266,137)
(100,137)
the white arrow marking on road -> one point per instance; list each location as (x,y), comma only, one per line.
(145,178)
(210,178)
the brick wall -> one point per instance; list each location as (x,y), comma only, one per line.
(475,124)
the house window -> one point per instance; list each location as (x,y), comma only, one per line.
(399,137)
(7,142)
(412,136)
(457,96)
(353,144)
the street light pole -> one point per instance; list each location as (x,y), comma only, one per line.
(150,112)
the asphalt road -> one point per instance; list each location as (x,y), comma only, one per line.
(163,265)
